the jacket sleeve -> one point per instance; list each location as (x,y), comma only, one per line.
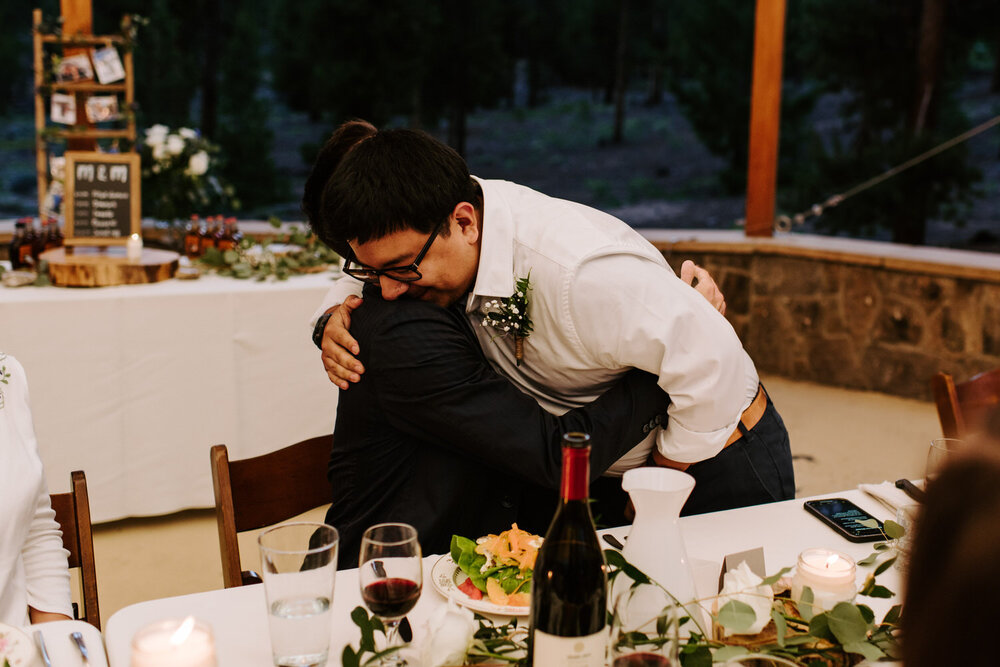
(434,383)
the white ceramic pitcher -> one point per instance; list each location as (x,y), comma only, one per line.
(655,544)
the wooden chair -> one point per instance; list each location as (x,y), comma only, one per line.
(73,515)
(265,490)
(963,406)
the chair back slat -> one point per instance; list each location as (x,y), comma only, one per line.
(264,490)
(962,406)
(73,516)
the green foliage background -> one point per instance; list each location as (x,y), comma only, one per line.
(224,67)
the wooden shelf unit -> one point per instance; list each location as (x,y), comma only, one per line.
(44,130)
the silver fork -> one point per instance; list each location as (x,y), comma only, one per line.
(78,640)
(40,643)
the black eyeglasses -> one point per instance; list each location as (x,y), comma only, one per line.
(404,274)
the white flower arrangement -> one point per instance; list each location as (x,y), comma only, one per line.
(177,174)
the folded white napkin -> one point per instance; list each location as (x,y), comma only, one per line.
(887,494)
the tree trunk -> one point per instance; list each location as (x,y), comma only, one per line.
(929,53)
(620,51)
(210,72)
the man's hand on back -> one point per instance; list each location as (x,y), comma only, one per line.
(339,347)
(705,285)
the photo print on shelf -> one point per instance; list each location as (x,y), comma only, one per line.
(74,68)
(107,64)
(101,108)
(63,109)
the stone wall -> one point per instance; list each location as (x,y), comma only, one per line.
(853,318)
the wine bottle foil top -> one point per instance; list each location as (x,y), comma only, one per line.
(576,439)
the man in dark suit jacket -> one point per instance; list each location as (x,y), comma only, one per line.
(434,437)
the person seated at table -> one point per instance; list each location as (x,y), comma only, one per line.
(34,575)
(434,437)
(953,577)
(408,217)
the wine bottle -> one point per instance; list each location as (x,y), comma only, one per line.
(568,623)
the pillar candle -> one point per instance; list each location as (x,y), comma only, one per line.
(174,643)
(831,576)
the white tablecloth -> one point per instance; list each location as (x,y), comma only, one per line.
(134,384)
(239,619)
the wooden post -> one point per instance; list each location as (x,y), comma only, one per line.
(765,117)
(78,19)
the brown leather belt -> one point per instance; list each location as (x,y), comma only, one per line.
(749,419)
(750,416)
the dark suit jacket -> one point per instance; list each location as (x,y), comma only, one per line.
(434,437)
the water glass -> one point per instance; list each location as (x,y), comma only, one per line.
(644,629)
(299,563)
(941,450)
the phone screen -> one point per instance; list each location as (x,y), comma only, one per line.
(843,515)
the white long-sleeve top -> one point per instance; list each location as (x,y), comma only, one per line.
(33,562)
(603,300)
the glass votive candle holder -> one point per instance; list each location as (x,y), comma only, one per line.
(829,574)
(174,642)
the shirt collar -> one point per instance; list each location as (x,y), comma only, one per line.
(495,277)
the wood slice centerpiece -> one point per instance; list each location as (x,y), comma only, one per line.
(104,266)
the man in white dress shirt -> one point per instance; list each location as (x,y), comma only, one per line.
(404,211)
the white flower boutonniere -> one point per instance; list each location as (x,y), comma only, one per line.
(509,317)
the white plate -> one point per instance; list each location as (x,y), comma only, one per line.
(17,648)
(446,576)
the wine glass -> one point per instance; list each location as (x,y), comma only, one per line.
(940,451)
(644,628)
(390,574)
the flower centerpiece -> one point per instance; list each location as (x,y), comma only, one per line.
(178,177)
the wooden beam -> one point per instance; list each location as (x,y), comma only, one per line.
(765,117)
(78,19)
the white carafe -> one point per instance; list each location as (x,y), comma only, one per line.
(655,544)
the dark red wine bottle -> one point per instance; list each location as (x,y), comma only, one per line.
(569,594)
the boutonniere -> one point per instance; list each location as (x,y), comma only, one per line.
(509,317)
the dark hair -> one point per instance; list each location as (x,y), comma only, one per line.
(383,182)
(953,578)
(340,143)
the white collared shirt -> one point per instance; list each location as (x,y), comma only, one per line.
(603,300)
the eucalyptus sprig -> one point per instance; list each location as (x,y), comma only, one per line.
(251,259)
(369,626)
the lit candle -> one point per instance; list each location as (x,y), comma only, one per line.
(829,574)
(133,248)
(174,643)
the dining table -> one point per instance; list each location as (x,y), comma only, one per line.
(133,384)
(239,620)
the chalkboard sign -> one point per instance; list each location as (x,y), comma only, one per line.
(102,198)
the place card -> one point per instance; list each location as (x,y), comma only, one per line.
(754,558)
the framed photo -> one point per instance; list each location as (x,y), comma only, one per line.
(101,108)
(107,64)
(74,68)
(63,109)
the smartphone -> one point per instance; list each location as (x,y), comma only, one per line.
(843,516)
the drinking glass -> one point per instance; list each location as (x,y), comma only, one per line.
(644,629)
(390,572)
(299,563)
(941,449)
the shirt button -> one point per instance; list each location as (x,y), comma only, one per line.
(506,503)
(645,429)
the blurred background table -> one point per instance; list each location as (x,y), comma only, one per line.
(134,384)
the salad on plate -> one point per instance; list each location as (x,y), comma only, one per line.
(499,566)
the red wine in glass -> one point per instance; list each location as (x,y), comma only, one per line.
(641,660)
(391,598)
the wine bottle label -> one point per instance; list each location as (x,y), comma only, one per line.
(553,651)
